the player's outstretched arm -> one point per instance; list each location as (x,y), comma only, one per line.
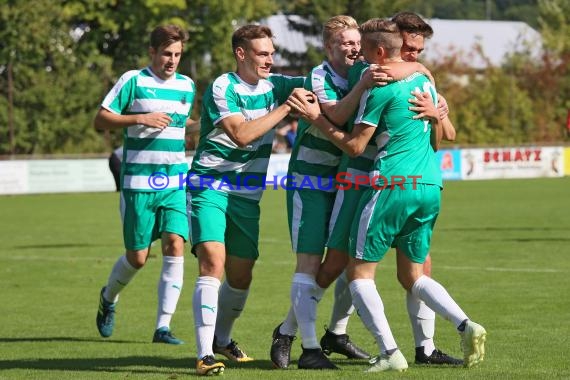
(401,70)
(340,112)
(244,132)
(352,143)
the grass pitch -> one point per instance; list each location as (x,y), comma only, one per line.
(500,247)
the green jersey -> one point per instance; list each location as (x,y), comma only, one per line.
(350,167)
(404,153)
(219,163)
(313,155)
(150,152)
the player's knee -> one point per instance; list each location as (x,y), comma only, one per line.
(328,274)
(406,280)
(137,259)
(173,245)
(210,261)
(241,280)
(213,268)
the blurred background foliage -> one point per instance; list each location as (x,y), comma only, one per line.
(58,58)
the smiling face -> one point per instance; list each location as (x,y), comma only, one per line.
(255,60)
(165,60)
(412,47)
(343,49)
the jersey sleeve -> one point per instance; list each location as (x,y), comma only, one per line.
(122,95)
(222,100)
(283,85)
(321,84)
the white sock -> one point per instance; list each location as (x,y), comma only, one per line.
(342,307)
(230,305)
(370,308)
(438,299)
(289,326)
(121,274)
(205,308)
(305,294)
(169,288)
(422,319)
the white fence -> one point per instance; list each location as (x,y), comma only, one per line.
(93,175)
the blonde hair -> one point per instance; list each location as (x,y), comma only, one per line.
(384,33)
(338,24)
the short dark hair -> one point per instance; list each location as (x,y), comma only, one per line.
(383,32)
(246,33)
(412,23)
(166,35)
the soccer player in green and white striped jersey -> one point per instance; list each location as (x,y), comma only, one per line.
(239,112)
(153,106)
(402,206)
(310,193)
(352,180)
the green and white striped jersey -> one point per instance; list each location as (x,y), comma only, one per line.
(351,167)
(219,163)
(313,155)
(149,152)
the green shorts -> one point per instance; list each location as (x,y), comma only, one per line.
(228,219)
(397,218)
(146,215)
(309,213)
(345,204)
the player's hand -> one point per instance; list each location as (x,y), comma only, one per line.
(442,107)
(159,120)
(304,104)
(377,75)
(423,105)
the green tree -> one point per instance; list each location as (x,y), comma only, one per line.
(549,78)
(62,56)
(317,12)
(52,86)
(58,58)
(487,106)
(120,31)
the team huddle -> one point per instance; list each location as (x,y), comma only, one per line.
(369,110)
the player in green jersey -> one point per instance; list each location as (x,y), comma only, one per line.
(239,112)
(313,165)
(401,207)
(153,107)
(415,31)
(352,172)
(310,194)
